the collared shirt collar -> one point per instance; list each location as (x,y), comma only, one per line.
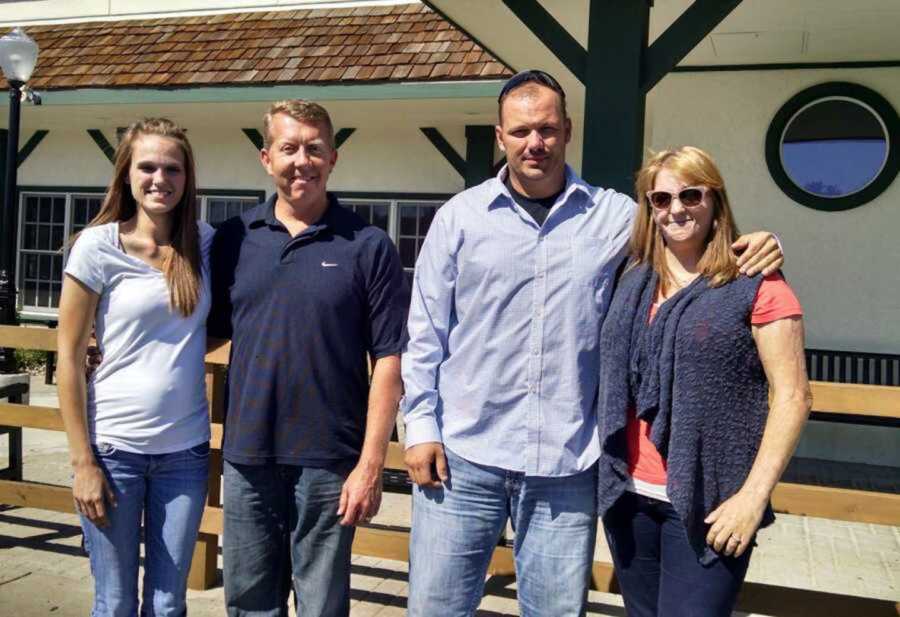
(573,183)
(265,214)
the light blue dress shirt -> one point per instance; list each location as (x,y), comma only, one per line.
(502,361)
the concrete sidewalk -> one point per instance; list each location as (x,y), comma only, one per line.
(44,572)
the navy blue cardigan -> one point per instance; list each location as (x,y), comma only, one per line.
(695,375)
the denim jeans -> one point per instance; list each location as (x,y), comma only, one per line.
(658,571)
(455,529)
(281,525)
(167,491)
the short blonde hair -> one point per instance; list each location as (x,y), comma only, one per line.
(718,263)
(300,110)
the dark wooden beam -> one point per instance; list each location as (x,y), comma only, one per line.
(30,145)
(342,135)
(615,103)
(255,137)
(443,146)
(105,147)
(685,33)
(479,153)
(556,38)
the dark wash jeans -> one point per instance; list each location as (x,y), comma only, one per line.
(281,526)
(657,569)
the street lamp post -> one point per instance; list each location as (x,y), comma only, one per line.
(18,56)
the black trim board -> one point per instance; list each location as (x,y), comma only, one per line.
(787,66)
(447,151)
(108,151)
(342,135)
(835,88)
(392,195)
(101,190)
(30,145)
(683,35)
(553,35)
(256,138)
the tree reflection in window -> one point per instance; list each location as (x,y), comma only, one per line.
(834,147)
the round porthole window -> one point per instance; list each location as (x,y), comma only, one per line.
(834,146)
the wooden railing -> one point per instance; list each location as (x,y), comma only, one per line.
(392,543)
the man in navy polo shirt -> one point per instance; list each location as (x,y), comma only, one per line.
(307,291)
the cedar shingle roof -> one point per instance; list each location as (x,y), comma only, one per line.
(359,45)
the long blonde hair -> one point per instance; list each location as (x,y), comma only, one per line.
(182,266)
(718,263)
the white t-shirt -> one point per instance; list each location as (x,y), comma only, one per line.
(148,394)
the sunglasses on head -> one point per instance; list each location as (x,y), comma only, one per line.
(690,197)
(531,76)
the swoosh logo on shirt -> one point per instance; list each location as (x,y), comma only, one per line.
(328,264)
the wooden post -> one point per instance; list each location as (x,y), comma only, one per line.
(204,566)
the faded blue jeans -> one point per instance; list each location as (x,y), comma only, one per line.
(281,525)
(167,492)
(455,529)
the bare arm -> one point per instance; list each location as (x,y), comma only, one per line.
(780,345)
(361,495)
(77,307)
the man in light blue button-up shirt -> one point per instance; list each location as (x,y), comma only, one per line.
(501,369)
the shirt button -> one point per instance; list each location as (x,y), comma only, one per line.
(535,352)
(539,312)
(540,274)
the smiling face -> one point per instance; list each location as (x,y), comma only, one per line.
(156,174)
(682,227)
(533,132)
(299,158)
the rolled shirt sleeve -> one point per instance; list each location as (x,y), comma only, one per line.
(429,320)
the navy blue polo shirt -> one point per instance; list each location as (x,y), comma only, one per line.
(303,314)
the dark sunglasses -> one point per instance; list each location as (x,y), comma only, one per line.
(690,197)
(531,76)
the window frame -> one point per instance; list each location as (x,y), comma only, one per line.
(862,95)
(39,313)
(394,201)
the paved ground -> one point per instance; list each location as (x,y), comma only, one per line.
(44,573)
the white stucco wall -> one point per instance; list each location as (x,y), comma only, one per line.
(386,153)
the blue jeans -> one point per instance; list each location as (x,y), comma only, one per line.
(455,529)
(281,524)
(167,491)
(657,569)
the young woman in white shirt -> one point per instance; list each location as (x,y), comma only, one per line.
(138,428)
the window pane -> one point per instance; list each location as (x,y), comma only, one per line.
(220,209)
(44,237)
(408,216)
(59,210)
(31,208)
(46,206)
(380,217)
(426,215)
(29,293)
(30,268)
(834,147)
(56,239)
(43,294)
(408,252)
(29,240)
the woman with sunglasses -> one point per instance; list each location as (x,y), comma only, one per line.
(691,445)
(138,431)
